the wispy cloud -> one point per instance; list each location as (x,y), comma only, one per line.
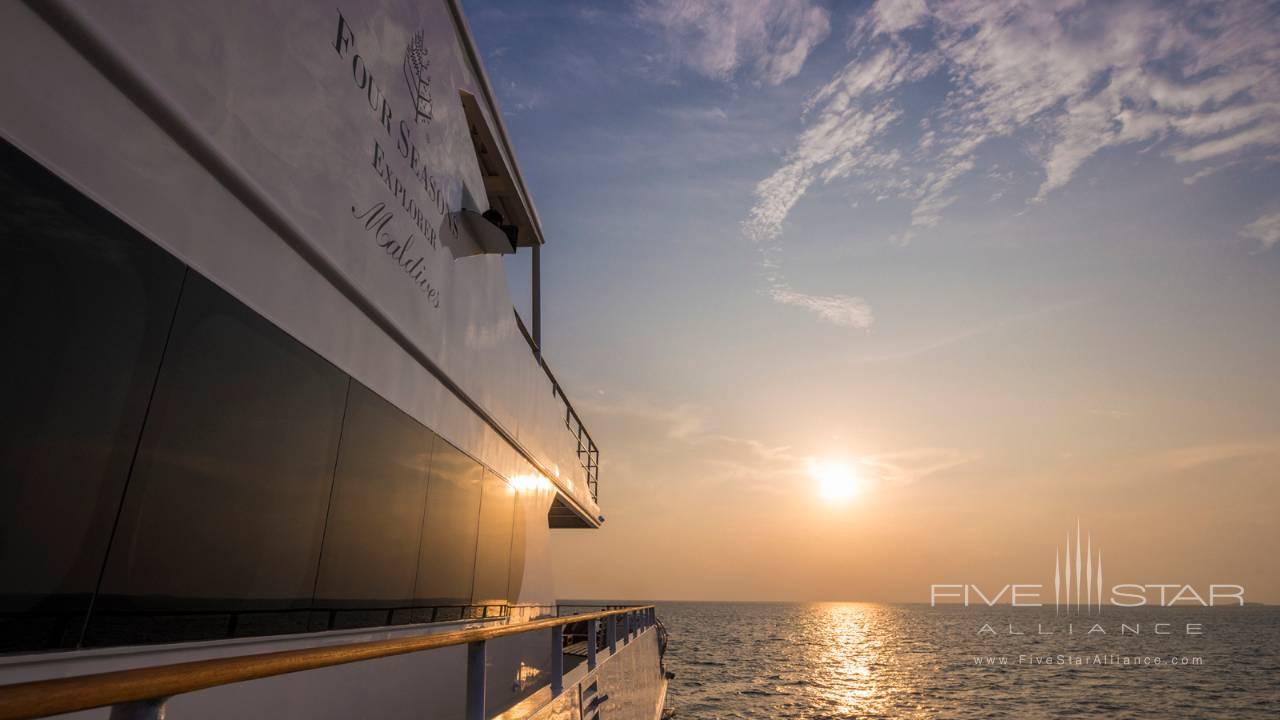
(1198,456)
(749,465)
(908,466)
(1261,135)
(837,309)
(682,434)
(519,98)
(1205,172)
(1265,230)
(681,422)
(1066,79)
(985,328)
(892,16)
(771,39)
(839,142)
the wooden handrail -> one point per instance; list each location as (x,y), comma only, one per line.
(63,695)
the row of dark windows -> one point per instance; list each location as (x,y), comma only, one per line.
(174,467)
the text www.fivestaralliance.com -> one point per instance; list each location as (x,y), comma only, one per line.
(1083,660)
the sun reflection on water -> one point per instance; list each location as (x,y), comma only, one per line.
(854,659)
(841,661)
(822,660)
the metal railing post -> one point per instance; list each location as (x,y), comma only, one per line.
(475,680)
(557,660)
(611,633)
(141,710)
(593,636)
(536,282)
(588,453)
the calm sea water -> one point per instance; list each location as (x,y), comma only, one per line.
(740,660)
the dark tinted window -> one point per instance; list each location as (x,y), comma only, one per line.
(448,555)
(371,540)
(493,551)
(85,305)
(222,521)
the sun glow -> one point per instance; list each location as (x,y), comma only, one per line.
(837,481)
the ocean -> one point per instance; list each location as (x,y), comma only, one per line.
(856,660)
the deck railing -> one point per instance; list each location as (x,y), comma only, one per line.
(141,694)
(588,454)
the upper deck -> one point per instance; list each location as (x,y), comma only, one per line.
(335,153)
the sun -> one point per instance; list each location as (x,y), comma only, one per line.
(837,481)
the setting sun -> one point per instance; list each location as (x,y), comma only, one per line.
(837,481)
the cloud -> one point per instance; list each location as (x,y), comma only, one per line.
(719,38)
(891,16)
(1204,172)
(1192,457)
(836,309)
(1066,80)
(520,98)
(681,422)
(837,143)
(958,335)
(682,437)
(908,466)
(1263,134)
(1265,230)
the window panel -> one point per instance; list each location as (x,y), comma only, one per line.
(371,539)
(518,532)
(447,562)
(493,551)
(85,305)
(225,507)
(242,515)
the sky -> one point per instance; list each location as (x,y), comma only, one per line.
(1012,266)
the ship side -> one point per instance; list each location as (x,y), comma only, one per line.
(265,390)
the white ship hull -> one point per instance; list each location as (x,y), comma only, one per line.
(323,169)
